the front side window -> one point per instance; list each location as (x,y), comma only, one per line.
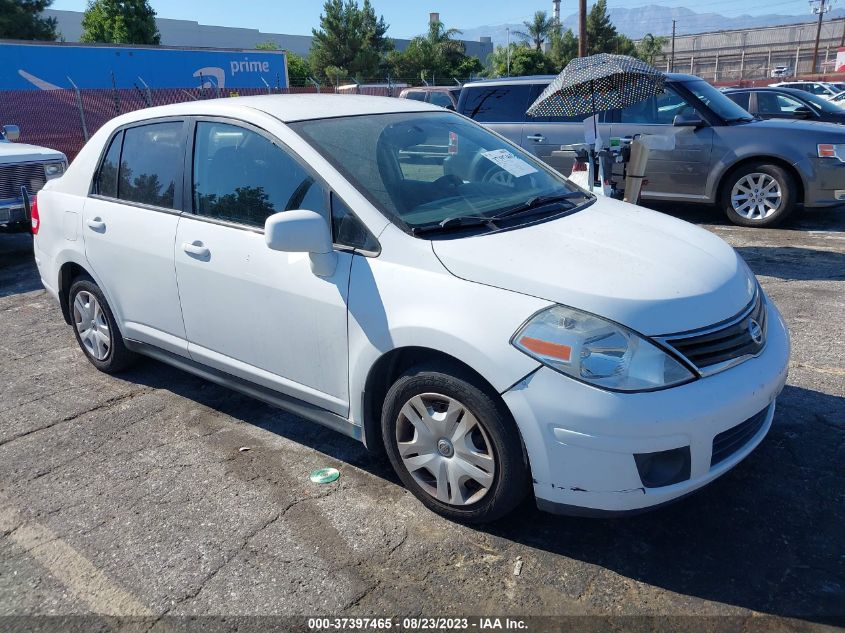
(440,99)
(242,176)
(416,95)
(497,104)
(427,170)
(659,110)
(716,100)
(151,159)
(740,98)
(774,103)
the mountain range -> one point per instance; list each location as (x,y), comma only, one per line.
(657,20)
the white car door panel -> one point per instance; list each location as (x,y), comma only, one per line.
(259,314)
(263,315)
(129,233)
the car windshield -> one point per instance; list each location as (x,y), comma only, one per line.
(820,104)
(435,172)
(716,100)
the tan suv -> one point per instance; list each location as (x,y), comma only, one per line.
(443,96)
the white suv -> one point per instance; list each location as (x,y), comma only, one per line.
(23,166)
(402,275)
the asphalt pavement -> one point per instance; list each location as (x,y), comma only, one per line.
(156,496)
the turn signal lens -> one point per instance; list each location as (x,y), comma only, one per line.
(36,219)
(827,150)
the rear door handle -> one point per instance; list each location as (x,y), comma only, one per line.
(537,138)
(197,249)
(96,224)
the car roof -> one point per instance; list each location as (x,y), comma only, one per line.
(772,88)
(533,79)
(287,108)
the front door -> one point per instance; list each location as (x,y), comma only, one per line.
(259,314)
(680,170)
(129,226)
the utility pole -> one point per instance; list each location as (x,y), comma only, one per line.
(842,41)
(672,54)
(582,28)
(821,9)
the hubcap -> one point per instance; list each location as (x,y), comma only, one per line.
(445,449)
(756,196)
(92,325)
(501,177)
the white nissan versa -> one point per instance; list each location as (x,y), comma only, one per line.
(402,275)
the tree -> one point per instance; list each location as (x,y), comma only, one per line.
(350,38)
(602,36)
(563,48)
(650,47)
(21,20)
(299,70)
(538,29)
(524,61)
(120,22)
(435,54)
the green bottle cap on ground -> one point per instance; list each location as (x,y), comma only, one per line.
(324,475)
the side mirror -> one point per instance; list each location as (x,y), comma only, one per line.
(450,107)
(802,112)
(303,231)
(688,120)
(12,132)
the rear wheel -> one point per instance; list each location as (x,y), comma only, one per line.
(95,328)
(759,194)
(453,446)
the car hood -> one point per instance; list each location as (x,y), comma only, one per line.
(795,125)
(648,271)
(23,152)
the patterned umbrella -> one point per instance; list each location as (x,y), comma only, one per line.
(596,83)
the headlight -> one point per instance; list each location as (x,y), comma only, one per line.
(832,150)
(53,170)
(598,351)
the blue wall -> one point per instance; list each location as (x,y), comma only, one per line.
(48,66)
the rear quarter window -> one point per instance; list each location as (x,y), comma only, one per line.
(496,104)
(739,98)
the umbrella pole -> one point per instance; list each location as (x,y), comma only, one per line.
(593,150)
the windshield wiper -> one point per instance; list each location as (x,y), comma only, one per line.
(538,202)
(456,222)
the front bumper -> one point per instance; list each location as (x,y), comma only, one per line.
(12,211)
(824,181)
(581,440)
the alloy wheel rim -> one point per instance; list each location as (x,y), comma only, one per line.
(501,177)
(756,196)
(445,449)
(92,325)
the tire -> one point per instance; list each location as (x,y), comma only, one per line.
(95,328)
(759,179)
(470,467)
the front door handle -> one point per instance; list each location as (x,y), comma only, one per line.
(197,249)
(537,138)
(96,224)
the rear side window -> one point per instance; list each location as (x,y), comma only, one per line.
(496,104)
(106,182)
(241,176)
(150,162)
(440,99)
(740,98)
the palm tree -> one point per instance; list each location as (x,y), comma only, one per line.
(538,29)
(650,47)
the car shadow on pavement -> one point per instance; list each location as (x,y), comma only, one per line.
(802,219)
(767,536)
(794,263)
(17,265)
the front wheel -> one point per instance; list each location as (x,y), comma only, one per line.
(454,446)
(759,194)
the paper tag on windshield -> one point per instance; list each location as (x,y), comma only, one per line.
(510,163)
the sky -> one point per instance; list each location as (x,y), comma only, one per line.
(409,17)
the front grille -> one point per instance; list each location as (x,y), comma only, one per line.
(729,442)
(13,177)
(732,340)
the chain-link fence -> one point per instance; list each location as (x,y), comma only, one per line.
(64,119)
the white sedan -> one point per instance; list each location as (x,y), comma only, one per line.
(400,274)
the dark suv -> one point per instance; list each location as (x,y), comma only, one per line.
(756,170)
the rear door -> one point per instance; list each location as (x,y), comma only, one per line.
(498,107)
(546,137)
(680,172)
(129,225)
